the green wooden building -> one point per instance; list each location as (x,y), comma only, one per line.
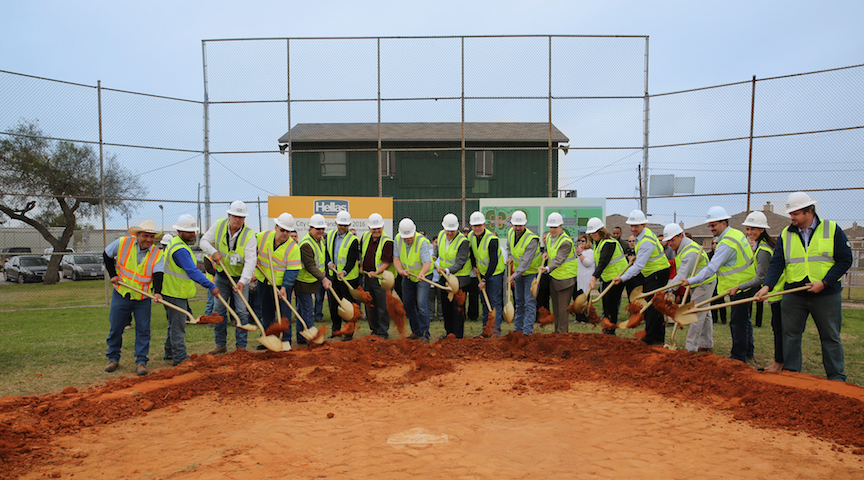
(421,164)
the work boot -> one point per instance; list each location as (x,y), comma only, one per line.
(141,369)
(112,365)
(217,350)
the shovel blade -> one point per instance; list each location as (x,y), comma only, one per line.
(509,313)
(347,313)
(248,327)
(684,316)
(635,293)
(271,342)
(387,280)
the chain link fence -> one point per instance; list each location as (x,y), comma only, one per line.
(743,144)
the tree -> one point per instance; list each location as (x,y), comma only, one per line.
(41,180)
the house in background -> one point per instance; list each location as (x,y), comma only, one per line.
(421,164)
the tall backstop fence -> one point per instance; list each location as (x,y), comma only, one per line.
(436,123)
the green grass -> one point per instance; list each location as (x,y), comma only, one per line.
(46,350)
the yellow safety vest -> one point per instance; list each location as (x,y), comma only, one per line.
(481,253)
(743,271)
(657,261)
(318,253)
(176,283)
(813,262)
(701,263)
(341,257)
(285,257)
(517,250)
(130,271)
(364,244)
(409,255)
(569,268)
(221,246)
(617,264)
(447,255)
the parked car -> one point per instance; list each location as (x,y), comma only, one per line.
(82,266)
(25,269)
(8,253)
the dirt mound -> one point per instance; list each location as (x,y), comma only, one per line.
(828,410)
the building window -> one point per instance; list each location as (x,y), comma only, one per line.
(334,164)
(483,160)
(388,164)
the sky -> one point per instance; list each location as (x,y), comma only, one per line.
(155,47)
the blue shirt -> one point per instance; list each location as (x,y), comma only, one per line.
(184,260)
(724,255)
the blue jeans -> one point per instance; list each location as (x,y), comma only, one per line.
(495,291)
(740,327)
(827,314)
(211,302)
(175,339)
(120,314)
(319,305)
(415,299)
(526,304)
(221,330)
(268,307)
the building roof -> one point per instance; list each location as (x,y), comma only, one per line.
(425,132)
(856,232)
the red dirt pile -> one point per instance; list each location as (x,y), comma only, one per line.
(277,328)
(665,305)
(591,312)
(212,318)
(489,328)
(544,316)
(397,312)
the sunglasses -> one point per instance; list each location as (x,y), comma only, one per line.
(317,228)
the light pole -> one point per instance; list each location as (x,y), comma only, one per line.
(163,217)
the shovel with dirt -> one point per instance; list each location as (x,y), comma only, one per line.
(509,310)
(671,345)
(351,290)
(535,284)
(271,342)
(386,279)
(204,319)
(283,323)
(346,308)
(683,316)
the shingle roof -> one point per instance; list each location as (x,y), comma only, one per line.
(424,132)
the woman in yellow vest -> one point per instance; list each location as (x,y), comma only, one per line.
(756,224)
(651,270)
(609,262)
(562,267)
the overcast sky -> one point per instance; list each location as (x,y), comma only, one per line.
(155,47)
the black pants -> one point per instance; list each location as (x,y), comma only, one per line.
(473,291)
(777,326)
(454,315)
(543,292)
(612,301)
(379,317)
(760,308)
(655,328)
(341,290)
(720,312)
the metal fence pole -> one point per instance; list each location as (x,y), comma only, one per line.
(206,138)
(463,132)
(643,188)
(750,153)
(380,180)
(288,87)
(552,192)
(102,186)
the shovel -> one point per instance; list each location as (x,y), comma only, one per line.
(354,293)
(346,308)
(446,288)
(453,283)
(192,319)
(310,334)
(671,345)
(652,292)
(605,290)
(684,317)
(509,310)
(386,279)
(535,284)
(286,346)
(694,311)
(271,342)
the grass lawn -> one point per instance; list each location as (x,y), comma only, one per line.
(46,350)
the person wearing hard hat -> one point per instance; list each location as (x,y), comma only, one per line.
(650,269)
(489,268)
(166,239)
(178,285)
(733,265)
(279,259)
(343,255)
(312,272)
(376,257)
(526,259)
(135,261)
(763,248)
(412,260)
(453,254)
(562,269)
(700,335)
(609,262)
(232,242)
(813,252)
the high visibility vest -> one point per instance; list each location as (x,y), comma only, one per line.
(814,261)
(285,257)
(743,271)
(138,275)
(222,247)
(779,286)
(617,264)
(409,255)
(341,257)
(447,254)
(692,247)
(517,250)
(569,268)
(176,283)
(657,261)
(318,255)
(481,253)
(364,245)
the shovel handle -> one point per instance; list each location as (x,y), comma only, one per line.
(242,297)
(748,300)
(272,278)
(486,297)
(153,297)
(229,309)
(430,282)
(604,292)
(335,295)
(687,290)
(705,302)
(666,287)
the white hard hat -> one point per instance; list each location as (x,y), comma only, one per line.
(555,220)
(671,230)
(238,209)
(756,219)
(594,224)
(375,221)
(166,239)
(715,214)
(147,226)
(450,223)
(477,218)
(636,217)
(798,200)
(519,218)
(286,221)
(343,218)
(317,221)
(186,223)
(407,229)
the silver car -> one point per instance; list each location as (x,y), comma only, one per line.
(82,266)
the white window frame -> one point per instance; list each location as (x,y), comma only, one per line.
(331,163)
(388,164)
(484,163)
